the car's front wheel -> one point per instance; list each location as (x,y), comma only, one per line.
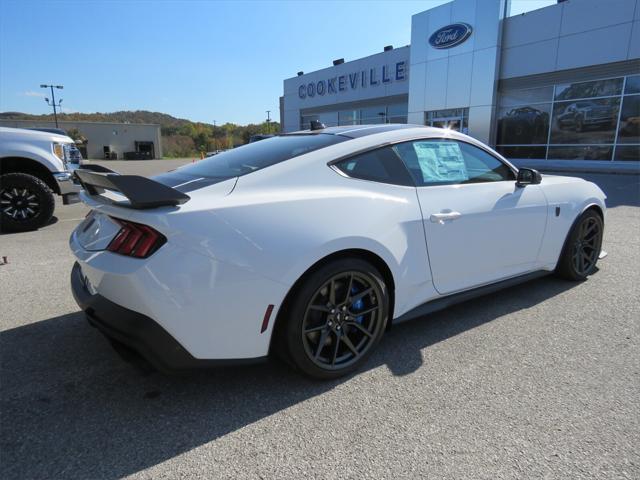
(582,247)
(336,318)
(26,202)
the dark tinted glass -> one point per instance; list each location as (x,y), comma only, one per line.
(633,85)
(446,162)
(590,121)
(257,155)
(599,88)
(627,152)
(524,125)
(526,97)
(373,115)
(629,129)
(523,152)
(381,165)
(587,152)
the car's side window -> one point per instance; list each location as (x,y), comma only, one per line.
(380,165)
(447,162)
(484,167)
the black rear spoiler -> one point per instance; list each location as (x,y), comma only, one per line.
(140,191)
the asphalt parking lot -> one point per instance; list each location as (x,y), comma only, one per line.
(540,381)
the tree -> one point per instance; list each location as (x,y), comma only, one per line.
(75,135)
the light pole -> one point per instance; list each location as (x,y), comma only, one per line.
(53,100)
(268,120)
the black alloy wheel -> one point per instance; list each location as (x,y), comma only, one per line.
(26,202)
(337,318)
(582,247)
(19,203)
(586,247)
(342,320)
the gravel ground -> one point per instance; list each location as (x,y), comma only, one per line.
(541,381)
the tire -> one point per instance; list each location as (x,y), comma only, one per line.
(26,202)
(326,338)
(582,247)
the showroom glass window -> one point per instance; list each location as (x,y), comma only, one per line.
(363,115)
(456,119)
(628,144)
(397,112)
(579,120)
(523,122)
(349,117)
(449,162)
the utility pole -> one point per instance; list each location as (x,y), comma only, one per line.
(53,100)
(268,120)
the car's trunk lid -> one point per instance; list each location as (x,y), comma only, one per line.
(101,225)
(96,231)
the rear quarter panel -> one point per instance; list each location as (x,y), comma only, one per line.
(281,227)
(281,220)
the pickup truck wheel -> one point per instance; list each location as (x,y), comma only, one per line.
(26,202)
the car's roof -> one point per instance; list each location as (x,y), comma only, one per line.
(357,131)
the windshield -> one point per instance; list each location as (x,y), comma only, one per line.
(254,156)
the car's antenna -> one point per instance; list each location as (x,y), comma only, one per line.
(317,125)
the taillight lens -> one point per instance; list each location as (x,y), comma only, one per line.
(135,240)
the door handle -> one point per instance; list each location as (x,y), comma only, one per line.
(441,218)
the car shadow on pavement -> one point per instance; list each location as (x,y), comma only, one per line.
(52,221)
(71,408)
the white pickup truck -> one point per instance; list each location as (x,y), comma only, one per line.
(34,165)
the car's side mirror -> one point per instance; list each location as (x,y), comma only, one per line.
(528,176)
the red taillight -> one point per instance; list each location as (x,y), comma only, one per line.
(135,240)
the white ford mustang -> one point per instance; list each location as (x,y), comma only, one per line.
(311,244)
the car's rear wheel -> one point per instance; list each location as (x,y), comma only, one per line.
(26,202)
(336,319)
(582,247)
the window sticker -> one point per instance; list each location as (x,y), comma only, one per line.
(441,162)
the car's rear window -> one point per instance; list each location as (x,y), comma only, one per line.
(254,156)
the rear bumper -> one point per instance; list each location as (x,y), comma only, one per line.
(139,332)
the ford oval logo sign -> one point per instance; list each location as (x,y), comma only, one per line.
(450,36)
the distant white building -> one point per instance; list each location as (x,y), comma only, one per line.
(557,84)
(114,139)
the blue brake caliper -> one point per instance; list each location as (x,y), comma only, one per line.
(357,305)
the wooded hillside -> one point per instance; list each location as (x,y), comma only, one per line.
(180,137)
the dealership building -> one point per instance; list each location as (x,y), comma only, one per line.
(557,86)
(106,140)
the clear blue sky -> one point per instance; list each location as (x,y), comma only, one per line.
(201,60)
